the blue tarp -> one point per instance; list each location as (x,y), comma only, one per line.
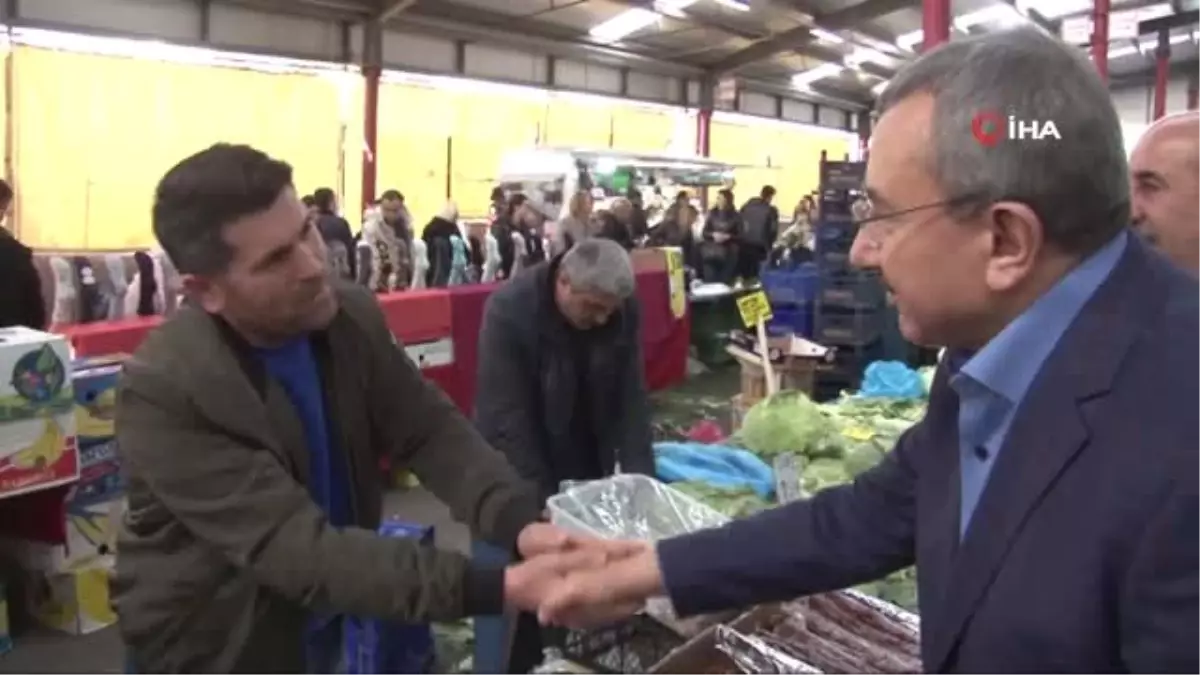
(891,379)
(718,465)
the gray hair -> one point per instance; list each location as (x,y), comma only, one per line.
(599,266)
(1078,186)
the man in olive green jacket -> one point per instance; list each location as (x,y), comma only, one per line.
(250,426)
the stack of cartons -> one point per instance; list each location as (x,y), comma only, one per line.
(37,421)
(67,584)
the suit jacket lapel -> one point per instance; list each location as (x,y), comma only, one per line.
(1049,430)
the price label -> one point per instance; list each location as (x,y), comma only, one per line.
(858,433)
(754,307)
(787,478)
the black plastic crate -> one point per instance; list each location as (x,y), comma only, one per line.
(631,646)
(843,175)
(849,329)
(831,234)
(856,290)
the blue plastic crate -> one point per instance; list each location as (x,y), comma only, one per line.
(858,290)
(790,286)
(794,320)
(851,329)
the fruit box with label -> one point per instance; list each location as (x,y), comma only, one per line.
(75,601)
(34,381)
(94,381)
(38,453)
(90,535)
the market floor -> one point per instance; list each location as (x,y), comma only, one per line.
(45,651)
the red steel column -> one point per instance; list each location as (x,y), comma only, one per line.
(1100,11)
(935,23)
(703,131)
(1162,70)
(370,133)
(372,69)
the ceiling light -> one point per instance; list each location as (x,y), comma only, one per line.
(673,8)
(1003,15)
(624,24)
(826,36)
(740,5)
(910,40)
(802,80)
(1150,44)
(1054,9)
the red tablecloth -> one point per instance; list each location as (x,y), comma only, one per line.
(665,339)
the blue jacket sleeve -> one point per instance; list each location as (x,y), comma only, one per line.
(842,537)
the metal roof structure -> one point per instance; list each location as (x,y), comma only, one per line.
(840,49)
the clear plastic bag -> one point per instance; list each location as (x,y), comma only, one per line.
(630,506)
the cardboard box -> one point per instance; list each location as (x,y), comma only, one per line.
(37,453)
(91,536)
(75,601)
(34,380)
(94,384)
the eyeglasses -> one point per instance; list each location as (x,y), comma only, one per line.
(868,222)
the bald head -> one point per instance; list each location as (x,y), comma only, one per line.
(1165,168)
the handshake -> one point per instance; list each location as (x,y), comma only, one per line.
(580,582)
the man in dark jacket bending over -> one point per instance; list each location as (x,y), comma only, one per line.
(561,390)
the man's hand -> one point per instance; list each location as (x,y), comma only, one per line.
(528,584)
(543,538)
(596,594)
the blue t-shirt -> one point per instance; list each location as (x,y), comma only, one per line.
(295,368)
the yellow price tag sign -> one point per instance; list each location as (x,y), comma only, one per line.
(858,433)
(754,307)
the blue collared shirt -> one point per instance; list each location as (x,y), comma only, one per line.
(992,383)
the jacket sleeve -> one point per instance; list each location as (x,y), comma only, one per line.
(1160,592)
(841,537)
(347,237)
(636,452)
(240,501)
(29,285)
(772,226)
(505,407)
(425,431)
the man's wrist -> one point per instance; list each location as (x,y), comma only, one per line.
(485,589)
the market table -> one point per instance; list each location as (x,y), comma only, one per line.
(665,339)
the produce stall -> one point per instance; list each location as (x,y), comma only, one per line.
(871,629)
